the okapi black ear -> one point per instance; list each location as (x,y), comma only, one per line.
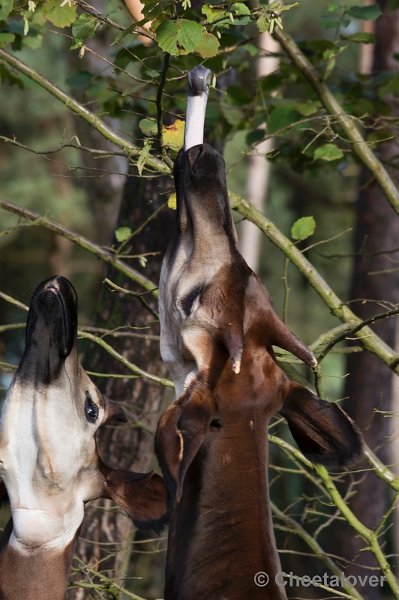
(322,430)
(142,495)
(181,432)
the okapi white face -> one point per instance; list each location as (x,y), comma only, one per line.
(48,457)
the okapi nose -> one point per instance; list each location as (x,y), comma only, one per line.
(52,317)
(193,154)
(205,167)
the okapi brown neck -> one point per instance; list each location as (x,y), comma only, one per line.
(34,574)
(221,531)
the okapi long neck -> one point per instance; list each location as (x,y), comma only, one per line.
(33,575)
(222,530)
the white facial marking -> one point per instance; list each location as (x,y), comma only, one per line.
(48,457)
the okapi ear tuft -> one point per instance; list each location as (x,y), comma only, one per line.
(322,430)
(181,432)
(142,495)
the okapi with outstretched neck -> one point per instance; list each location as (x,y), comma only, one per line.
(49,463)
(218,329)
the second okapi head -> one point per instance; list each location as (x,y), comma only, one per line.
(49,463)
(218,329)
(216,315)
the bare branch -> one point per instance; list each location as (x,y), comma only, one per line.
(84,243)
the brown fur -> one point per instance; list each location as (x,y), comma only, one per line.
(217,331)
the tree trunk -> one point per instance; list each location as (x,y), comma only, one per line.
(369,385)
(259,166)
(105,540)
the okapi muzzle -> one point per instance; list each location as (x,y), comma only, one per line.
(49,463)
(218,329)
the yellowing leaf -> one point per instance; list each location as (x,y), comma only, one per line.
(172,201)
(173,135)
(208,46)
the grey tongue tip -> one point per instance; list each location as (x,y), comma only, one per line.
(199,80)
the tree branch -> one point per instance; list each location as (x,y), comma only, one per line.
(84,243)
(129,148)
(370,340)
(360,146)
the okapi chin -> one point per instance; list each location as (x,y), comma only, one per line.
(218,329)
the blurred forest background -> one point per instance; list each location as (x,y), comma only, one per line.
(92,116)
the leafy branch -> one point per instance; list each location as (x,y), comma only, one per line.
(129,148)
(370,340)
(360,146)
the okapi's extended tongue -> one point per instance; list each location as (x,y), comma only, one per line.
(198,88)
(51,327)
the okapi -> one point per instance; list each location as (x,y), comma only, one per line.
(218,329)
(49,463)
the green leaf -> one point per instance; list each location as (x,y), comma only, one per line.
(303,228)
(239,9)
(123,233)
(179,37)
(328,152)
(151,73)
(330,22)
(213,14)
(308,108)
(6,38)
(208,46)
(281,117)
(263,23)
(60,16)
(366,13)
(149,127)
(6,7)
(361,37)
(84,28)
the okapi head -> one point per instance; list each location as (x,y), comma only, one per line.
(218,329)
(49,461)
(219,326)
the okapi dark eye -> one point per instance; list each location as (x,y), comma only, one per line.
(91,409)
(188,301)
